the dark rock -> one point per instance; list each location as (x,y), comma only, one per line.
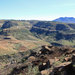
(46,50)
(62,67)
(33,54)
(44,66)
(73,58)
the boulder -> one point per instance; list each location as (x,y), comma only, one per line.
(39,52)
(46,47)
(44,72)
(56,59)
(62,67)
(44,63)
(31,58)
(51,61)
(46,50)
(44,66)
(67,58)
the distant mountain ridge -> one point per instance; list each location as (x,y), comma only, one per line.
(65,19)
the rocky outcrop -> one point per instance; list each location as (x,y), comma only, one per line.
(67,58)
(50,60)
(44,72)
(63,69)
(46,50)
(44,66)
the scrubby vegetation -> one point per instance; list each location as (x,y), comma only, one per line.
(48,60)
(21,52)
(55,32)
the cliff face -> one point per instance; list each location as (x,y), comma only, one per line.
(52,25)
(59,30)
(58,35)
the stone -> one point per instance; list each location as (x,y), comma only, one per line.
(63,67)
(44,72)
(47,47)
(46,50)
(51,61)
(44,63)
(67,58)
(32,58)
(39,52)
(56,59)
(44,66)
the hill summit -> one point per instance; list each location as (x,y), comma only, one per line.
(65,19)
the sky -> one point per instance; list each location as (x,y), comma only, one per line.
(36,9)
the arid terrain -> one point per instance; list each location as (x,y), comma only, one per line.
(31,47)
(37,37)
(49,60)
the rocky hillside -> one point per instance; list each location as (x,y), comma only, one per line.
(49,60)
(8,24)
(54,31)
(15,36)
(21,52)
(65,19)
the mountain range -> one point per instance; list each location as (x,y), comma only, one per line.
(65,19)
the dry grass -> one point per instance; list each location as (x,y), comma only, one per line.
(7,46)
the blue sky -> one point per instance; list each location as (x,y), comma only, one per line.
(36,9)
